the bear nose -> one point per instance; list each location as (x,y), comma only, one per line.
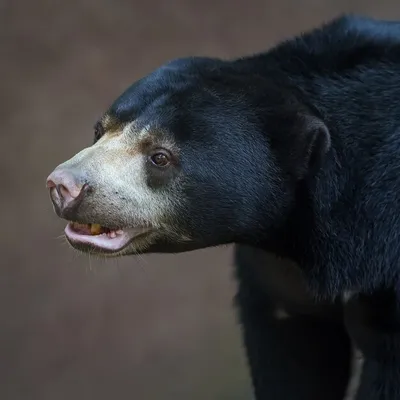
(66,189)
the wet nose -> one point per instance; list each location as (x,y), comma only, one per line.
(66,189)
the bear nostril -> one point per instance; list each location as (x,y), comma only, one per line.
(64,193)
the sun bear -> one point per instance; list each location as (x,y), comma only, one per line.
(293,156)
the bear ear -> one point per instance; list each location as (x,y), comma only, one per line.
(311,141)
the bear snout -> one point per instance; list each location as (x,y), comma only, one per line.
(67,190)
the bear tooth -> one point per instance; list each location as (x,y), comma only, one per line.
(95,229)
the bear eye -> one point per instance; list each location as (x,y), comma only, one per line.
(160,159)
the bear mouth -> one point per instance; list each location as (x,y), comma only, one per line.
(97,237)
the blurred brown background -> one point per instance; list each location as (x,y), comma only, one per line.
(154,327)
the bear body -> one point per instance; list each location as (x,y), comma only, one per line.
(351,62)
(294,152)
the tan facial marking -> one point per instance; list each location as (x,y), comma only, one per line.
(115,166)
(148,138)
(113,169)
(111,125)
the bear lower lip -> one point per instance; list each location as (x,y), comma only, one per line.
(107,240)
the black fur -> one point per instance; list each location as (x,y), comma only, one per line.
(296,152)
(246,129)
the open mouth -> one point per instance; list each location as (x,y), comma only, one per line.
(102,238)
